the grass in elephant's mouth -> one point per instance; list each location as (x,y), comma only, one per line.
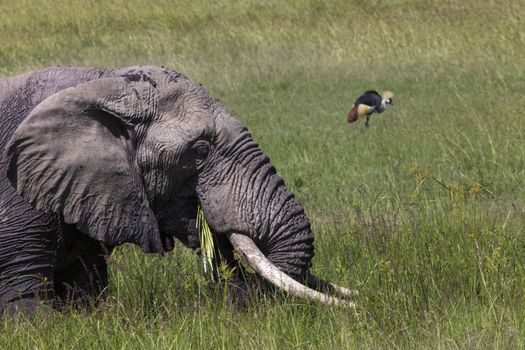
(207,248)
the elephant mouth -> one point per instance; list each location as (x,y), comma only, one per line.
(316,289)
(167,242)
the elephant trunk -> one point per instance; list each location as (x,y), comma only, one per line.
(278,223)
(288,239)
(266,224)
(282,249)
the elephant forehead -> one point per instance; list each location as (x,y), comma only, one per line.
(186,111)
(190,126)
(171,139)
(229,128)
(184,94)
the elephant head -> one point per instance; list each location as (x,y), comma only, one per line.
(130,156)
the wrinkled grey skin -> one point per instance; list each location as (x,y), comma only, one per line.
(94,158)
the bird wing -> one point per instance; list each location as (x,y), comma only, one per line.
(363,109)
(369,99)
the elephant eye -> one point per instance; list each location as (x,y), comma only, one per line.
(201,148)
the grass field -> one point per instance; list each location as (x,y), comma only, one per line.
(423,212)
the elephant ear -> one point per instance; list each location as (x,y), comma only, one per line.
(75,155)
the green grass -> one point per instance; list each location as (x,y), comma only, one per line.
(423,212)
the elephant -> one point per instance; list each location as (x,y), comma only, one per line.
(93,158)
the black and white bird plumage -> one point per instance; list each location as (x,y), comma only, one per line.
(369,102)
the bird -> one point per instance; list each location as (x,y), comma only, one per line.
(369,102)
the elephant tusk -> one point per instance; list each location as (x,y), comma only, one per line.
(323,286)
(266,269)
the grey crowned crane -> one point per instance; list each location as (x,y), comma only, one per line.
(369,102)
